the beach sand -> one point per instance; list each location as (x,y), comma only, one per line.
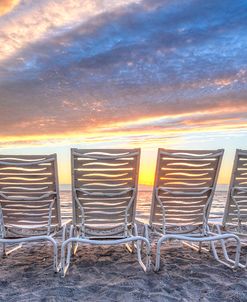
(113,274)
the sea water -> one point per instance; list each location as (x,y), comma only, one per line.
(144,203)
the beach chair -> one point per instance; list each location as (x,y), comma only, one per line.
(29,201)
(184,187)
(235,214)
(104,191)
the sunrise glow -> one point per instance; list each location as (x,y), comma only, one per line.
(123,74)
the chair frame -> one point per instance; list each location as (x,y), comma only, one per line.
(205,235)
(236,227)
(22,163)
(104,236)
(230,195)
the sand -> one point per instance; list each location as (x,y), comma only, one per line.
(112,274)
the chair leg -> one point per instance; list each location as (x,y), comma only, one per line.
(65,260)
(157,260)
(145,266)
(200,247)
(145,234)
(71,248)
(4,250)
(64,233)
(139,247)
(228,261)
(64,237)
(55,256)
(211,239)
(55,251)
(20,241)
(131,246)
(75,233)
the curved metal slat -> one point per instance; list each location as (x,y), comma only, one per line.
(29,190)
(185,181)
(101,179)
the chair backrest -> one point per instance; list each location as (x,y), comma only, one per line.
(184,186)
(29,192)
(236,205)
(104,186)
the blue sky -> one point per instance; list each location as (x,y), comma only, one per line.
(123,73)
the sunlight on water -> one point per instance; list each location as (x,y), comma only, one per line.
(144,203)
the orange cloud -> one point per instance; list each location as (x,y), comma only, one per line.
(7,5)
(144,135)
(45,15)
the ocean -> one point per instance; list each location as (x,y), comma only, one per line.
(144,203)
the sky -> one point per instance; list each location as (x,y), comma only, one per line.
(123,74)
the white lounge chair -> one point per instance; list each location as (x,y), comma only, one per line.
(235,214)
(104,189)
(29,201)
(185,182)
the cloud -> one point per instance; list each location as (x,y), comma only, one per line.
(7,5)
(48,18)
(121,69)
(145,132)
